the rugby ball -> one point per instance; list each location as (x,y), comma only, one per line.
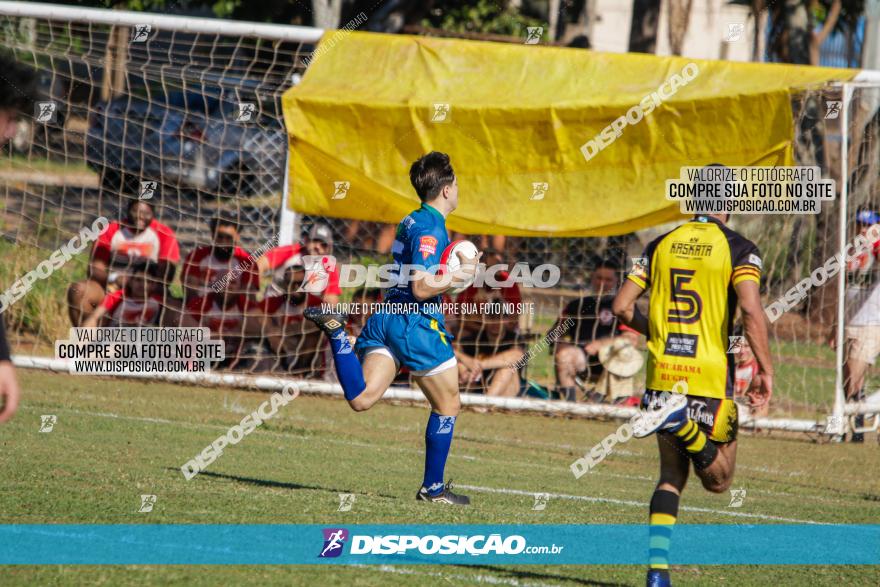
(450,261)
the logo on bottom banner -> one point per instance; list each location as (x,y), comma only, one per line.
(334,539)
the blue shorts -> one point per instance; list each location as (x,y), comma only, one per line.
(418,342)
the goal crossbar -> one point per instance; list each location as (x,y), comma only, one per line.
(189,24)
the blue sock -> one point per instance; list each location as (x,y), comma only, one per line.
(348,367)
(438,438)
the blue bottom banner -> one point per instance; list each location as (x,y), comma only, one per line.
(280,544)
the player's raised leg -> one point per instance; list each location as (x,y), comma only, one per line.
(667,413)
(348,366)
(379,372)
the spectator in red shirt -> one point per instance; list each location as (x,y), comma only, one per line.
(212,268)
(296,343)
(318,243)
(232,316)
(135,238)
(138,303)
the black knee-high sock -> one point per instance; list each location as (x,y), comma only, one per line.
(664,511)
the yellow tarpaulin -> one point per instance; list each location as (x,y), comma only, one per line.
(514,118)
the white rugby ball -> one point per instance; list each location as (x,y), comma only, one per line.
(450,261)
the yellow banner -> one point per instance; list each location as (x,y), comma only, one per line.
(543,140)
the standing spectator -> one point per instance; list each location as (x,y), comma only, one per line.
(136,237)
(318,243)
(576,356)
(862,333)
(16,94)
(212,268)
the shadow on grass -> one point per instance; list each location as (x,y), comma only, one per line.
(522,574)
(283,484)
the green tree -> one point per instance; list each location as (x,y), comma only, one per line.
(482,16)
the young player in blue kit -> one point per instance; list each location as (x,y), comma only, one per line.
(418,339)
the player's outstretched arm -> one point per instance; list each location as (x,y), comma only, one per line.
(755,327)
(624,307)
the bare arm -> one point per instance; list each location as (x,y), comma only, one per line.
(594,346)
(99,271)
(95,318)
(755,326)
(624,307)
(830,22)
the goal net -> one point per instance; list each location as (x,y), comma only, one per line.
(182,117)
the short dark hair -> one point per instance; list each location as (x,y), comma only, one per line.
(132,200)
(223,218)
(430,174)
(17,84)
(607,263)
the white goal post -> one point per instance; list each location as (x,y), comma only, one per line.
(286,224)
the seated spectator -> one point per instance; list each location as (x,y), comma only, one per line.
(232,316)
(138,303)
(296,344)
(576,356)
(210,268)
(508,295)
(318,243)
(136,237)
(486,347)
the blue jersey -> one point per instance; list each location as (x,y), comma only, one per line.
(419,242)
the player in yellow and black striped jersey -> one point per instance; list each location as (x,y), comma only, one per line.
(698,274)
(693,272)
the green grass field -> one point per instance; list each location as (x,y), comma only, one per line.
(115,440)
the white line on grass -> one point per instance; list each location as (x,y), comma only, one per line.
(347,443)
(635,504)
(465,457)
